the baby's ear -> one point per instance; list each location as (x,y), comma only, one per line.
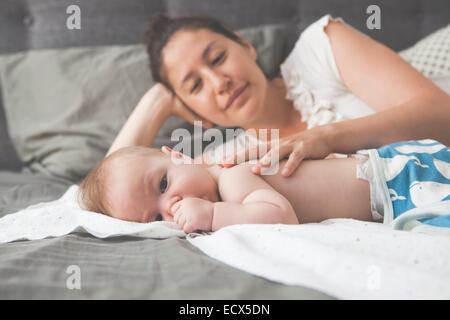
(176,156)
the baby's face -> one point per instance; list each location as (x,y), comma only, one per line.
(144,188)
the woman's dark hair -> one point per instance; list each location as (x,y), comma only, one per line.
(162,28)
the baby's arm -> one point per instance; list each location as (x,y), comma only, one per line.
(249,199)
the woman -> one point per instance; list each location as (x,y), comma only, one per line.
(201,67)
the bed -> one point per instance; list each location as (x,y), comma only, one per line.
(54,130)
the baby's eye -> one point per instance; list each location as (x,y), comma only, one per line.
(163,185)
(159,217)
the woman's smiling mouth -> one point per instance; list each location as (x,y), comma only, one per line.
(236,97)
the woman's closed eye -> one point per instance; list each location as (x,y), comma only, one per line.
(196,84)
(218,59)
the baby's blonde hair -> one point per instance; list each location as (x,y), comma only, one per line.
(93,190)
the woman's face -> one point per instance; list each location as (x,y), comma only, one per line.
(208,71)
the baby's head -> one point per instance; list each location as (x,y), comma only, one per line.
(142,184)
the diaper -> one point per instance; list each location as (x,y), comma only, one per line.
(411,178)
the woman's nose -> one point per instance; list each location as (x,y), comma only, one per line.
(221,82)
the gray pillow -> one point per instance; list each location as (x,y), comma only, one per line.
(64,107)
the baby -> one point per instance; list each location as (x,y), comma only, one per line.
(143,185)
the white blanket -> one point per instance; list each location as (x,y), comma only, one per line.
(64,216)
(345,258)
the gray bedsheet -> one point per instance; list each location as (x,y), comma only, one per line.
(18,190)
(116,268)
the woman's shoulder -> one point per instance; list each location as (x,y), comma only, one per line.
(312,58)
(312,77)
(316,29)
(313,39)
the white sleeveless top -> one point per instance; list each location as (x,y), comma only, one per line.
(313,84)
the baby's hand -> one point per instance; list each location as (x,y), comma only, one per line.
(193,214)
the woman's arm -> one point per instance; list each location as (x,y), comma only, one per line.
(410,105)
(152,111)
(145,121)
(424,117)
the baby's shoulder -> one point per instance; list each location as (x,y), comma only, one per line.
(232,182)
(235,173)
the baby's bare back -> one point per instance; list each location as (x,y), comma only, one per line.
(324,189)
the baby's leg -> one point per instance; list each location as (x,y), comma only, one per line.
(325,189)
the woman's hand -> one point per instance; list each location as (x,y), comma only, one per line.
(309,144)
(171,105)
